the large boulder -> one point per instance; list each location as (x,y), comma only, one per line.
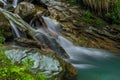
(46,63)
(25,9)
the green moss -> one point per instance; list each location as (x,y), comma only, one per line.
(87,17)
(99,21)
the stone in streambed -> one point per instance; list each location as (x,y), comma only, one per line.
(45,63)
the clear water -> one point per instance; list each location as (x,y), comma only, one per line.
(92,64)
(101,70)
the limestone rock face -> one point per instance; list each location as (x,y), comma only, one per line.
(25,9)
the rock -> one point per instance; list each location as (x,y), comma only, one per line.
(10,1)
(9,7)
(45,63)
(5,26)
(1,4)
(25,9)
(28,43)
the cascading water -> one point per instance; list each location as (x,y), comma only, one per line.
(15,30)
(92,64)
(15,2)
(52,24)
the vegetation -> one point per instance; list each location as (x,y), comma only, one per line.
(104,8)
(10,71)
(88,18)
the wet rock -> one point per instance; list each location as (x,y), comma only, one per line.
(10,1)
(5,26)
(45,63)
(9,7)
(28,43)
(1,4)
(25,9)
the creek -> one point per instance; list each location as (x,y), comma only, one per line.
(91,63)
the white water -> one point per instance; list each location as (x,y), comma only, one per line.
(80,57)
(81,54)
(75,52)
(15,2)
(13,25)
(52,24)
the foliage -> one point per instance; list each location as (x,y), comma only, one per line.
(115,13)
(10,71)
(2,38)
(89,18)
(104,8)
(73,1)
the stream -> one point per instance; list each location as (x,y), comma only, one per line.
(91,64)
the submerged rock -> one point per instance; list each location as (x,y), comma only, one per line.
(45,63)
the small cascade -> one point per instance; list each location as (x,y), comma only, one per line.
(46,35)
(76,52)
(15,2)
(15,30)
(52,24)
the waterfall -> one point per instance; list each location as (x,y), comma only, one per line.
(15,2)
(52,24)
(77,51)
(14,28)
(69,47)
